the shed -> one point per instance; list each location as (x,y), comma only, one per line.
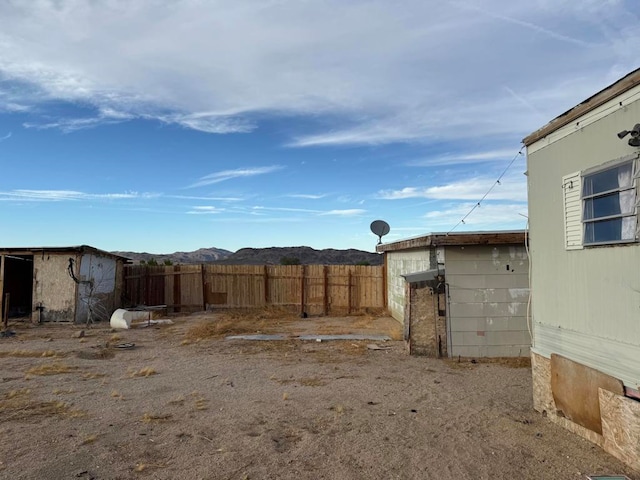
(462,294)
(60,284)
(583,171)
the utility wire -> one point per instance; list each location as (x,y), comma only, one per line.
(497,182)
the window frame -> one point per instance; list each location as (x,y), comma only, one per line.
(628,159)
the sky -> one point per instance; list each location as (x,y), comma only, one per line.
(171,125)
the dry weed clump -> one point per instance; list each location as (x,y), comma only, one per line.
(312,382)
(117,395)
(89,439)
(200,401)
(143,372)
(240,322)
(509,362)
(151,417)
(100,353)
(31,354)
(55,368)
(18,404)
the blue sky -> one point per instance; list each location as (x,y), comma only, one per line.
(173,125)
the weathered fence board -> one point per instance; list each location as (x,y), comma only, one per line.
(312,289)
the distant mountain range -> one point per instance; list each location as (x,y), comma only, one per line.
(262,256)
(202,255)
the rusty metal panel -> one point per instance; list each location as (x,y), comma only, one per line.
(575,391)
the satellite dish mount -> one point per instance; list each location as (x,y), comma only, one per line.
(380,228)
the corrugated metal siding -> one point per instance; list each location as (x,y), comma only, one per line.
(591,294)
(488,295)
(572,186)
(401,263)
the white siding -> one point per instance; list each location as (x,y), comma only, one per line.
(585,302)
(402,263)
(572,186)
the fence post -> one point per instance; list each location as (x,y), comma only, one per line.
(325,308)
(204,287)
(266,285)
(147,286)
(302,292)
(349,295)
(177,293)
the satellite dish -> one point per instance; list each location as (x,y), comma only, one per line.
(380,228)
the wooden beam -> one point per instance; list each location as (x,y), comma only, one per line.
(302,290)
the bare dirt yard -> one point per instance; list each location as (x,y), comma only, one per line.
(184,403)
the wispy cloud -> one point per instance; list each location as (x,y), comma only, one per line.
(287,209)
(69,195)
(468,189)
(309,196)
(204,197)
(6,137)
(225,175)
(366,73)
(464,158)
(353,212)
(205,210)
(495,215)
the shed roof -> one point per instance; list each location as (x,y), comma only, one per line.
(73,249)
(462,238)
(617,88)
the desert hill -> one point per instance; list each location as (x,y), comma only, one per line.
(261,256)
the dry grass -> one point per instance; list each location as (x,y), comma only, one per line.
(200,401)
(509,362)
(18,404)
(55,368)
(96,354)
(32,354)
(89,439)
(143,372)
(312,382)
(117,395)
(240,322)
(151,417)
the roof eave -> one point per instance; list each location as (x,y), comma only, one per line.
(603,96)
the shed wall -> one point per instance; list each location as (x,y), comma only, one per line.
(402,263)
(53,288)
(488,296)
(585,302)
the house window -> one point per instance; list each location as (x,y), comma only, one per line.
(609,205)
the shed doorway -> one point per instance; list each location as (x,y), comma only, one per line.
(17,285)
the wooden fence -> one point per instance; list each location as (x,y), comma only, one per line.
(313,289)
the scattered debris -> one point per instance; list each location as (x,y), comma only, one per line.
(7,333)
(373,346)
(78,334)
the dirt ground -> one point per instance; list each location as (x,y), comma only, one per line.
(184,403)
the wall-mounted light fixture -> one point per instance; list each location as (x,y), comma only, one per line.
(634,141)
